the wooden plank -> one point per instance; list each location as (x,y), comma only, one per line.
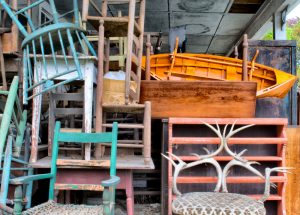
(90,187)
(125,162)
(236,179)
(293,160)
(73,162)
(220,121)
(70,96)
(123,125)
(199,98)
(257,197)
(212,140)
(228,158)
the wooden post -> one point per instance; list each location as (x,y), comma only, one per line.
(148,53)
(140,52)
(147,133)
(85,12)
(107,49)
(99,150)
(3,73)
(88,104)
(36,115)
(131,15)
(51,122)
(245,58)
(29,13)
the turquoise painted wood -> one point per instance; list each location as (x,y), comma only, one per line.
(80,138)
(49,38)
(12,134)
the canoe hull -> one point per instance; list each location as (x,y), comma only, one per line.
(270,81)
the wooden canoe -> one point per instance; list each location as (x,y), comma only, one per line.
(270,82)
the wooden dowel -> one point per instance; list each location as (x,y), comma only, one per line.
(99,150)
(148,53)
(245,58)
(147,133)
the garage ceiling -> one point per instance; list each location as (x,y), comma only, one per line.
(212,26)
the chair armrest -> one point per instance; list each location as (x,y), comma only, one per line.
(113,181)
(29,178)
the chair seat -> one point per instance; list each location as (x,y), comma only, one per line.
(52,208)
(210,203)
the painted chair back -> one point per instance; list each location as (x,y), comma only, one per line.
(75,138)
(13,132)
(12,118)
(82,138)
(47,39)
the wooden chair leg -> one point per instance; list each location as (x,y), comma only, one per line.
(18,200)
(129,193)
(3,73)
(147,133)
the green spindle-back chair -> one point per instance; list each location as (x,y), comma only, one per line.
(109,185)
(47,39)
(13,132)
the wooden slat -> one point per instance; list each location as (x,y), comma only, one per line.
(133,76)
(127,145)
(87,163)
(228,158)
(123,125)
(68,96)
(133,108)
(133,95)
(75,130)
(108,19)
(230,180)
(136,41)
(136,25)
(213,140)
(257,197)
(135,59)
(91,187)
(68,111)
(223,121)
(199,98)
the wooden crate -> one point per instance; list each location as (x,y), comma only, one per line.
(200,98)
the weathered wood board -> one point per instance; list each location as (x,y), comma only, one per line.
(200,98)
(293,160)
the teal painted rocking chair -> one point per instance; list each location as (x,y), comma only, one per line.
(109,185)
(15,139)
(53,36)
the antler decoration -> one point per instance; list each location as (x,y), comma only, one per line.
(268,180)
(237,160)
(181,165)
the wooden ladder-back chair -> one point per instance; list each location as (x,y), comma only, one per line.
(219,202)
(13,132)
(120,26)
(46,40)
(108,186)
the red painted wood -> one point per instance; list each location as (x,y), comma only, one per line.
(95,176)
(211,140)
(228,158)
(235,180)
(223,121)
(279,158)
